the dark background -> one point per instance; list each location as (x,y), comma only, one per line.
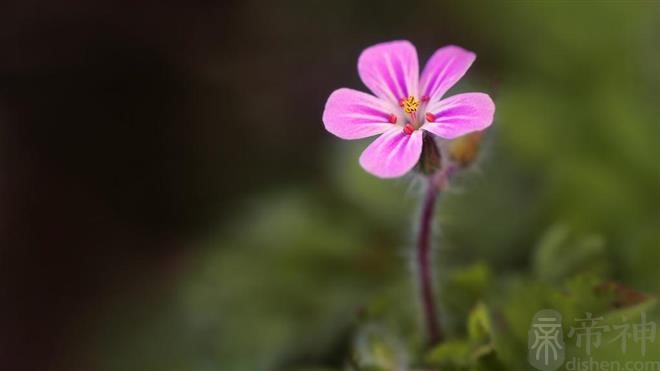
(137,139)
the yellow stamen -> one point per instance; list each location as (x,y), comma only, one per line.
(410,105)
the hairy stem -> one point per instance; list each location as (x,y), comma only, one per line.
(433,332)
(424,262)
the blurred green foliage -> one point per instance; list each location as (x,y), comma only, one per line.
(565,197)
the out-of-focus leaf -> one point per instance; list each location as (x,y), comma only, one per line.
(559,255)
(479,326)
(377,348)
(464,288)
(451,353)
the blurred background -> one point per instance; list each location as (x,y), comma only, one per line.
(169,199)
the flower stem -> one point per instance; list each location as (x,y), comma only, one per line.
(424,262)
(433,332)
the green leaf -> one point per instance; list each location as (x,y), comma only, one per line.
(479,326)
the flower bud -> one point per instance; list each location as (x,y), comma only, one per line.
(464,150)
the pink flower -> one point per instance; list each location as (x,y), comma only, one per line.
(405,105)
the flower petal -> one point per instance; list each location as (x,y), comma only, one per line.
(392,154)
(351,114)
(446,66)
(460,114)
(390,70)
